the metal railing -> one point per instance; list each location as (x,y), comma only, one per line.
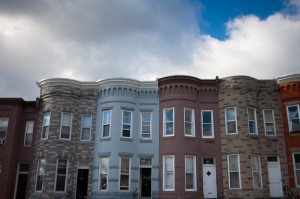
(288,192)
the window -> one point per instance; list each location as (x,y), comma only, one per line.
(86,127)
(293,118)
(252,124)
(106,123)
(168,173)
(296,157)
(3,129)
(234,171)
(230,118)
(126,124)
(65,128)
(256,171)
(190,173)
(61,175)
(189,124)
(269,122)
(124,174)
(40,175)
(46,124)
(168,122)
(146,125)
(28,133)
(207,124)
(103,173)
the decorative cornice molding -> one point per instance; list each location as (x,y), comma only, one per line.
(288,78)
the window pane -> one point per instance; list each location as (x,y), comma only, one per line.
(124,165)
(169,115)
(188,128)
(46,119)
(3,127)
(103,181)
(169,128)
(169,183)
(28,139)
(293,112)
(85,134)
(86,121)
(103,173)
(188,115)
(252,127)
(206,117)
(66,119)
(233,163)
(231,127)
(268,116)
(126,117)
(60,183)
(189,165)
(297,161)
(65,132)
(23,167)
(189,180)
(106,117)
(251,114)
(255,163)
(234,180)
(106,130)
(230,114)
(207,130)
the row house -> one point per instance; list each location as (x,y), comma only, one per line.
(18,119)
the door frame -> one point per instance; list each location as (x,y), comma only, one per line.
(210,165)
(81,168)
(17,177)
(274,163)
(144,166)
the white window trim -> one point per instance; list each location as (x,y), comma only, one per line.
(269,122)
(239,171)
(164,122)
(107,173)
(294,167)
(70,132)
(131,118)
(260,176)
(235,119)
(212,123)
(194,173)
(25,133)
(82,127)
(102,129)
(45,138)
(129,174)
(6,127)
(288,115)
(37,174)
(255,121)
(164,180)
(193,122)
(66,181)
(149,138)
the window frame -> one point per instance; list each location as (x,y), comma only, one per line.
(38,174)
(6,127)
(238,171)
(212,124)
(289,119)
(297,184)
(82,127)
(61,125)
(254,121)
(65,175)
(190,122)
(127,174)
(106,124)
(150,126)
(164,122)
(194,173)
(259,170)
(172,172)
(124,123)
(26,133)
(273,122)
(46,125)
(235,120)
(105,173)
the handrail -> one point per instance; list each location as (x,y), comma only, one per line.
(287,190)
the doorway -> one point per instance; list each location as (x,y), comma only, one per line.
(209,178)
(275,180)
(82,183)
(145,182)
(21,182)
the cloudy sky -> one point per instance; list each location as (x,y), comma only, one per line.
(88,40)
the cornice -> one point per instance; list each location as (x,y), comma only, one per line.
(65,81)
(288,78)
(126,82)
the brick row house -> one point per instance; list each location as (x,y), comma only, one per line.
(176,137)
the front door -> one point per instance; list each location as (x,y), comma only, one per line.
(209,178)
(146,182)
(275,180)
(82,183)
(22,178)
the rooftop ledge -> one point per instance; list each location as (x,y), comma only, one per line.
(288,78)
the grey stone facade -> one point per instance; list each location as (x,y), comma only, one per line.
(242,92)
(77,98)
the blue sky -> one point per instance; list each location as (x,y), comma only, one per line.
(144,40)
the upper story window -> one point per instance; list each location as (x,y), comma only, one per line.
(65,128)
(207,124)
(46,124)
(146,125)
(252,122)
(269,122)
(28,133)
(189,122)
(293,118)
(126,124)
(168,120)
(106,121)
(3,129)
(231,121)
(40,175)
(86,127)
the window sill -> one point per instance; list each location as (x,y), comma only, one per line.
(294,133)
(126,139)
(64,141)
(105,139)
(85,142)
(145,140)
